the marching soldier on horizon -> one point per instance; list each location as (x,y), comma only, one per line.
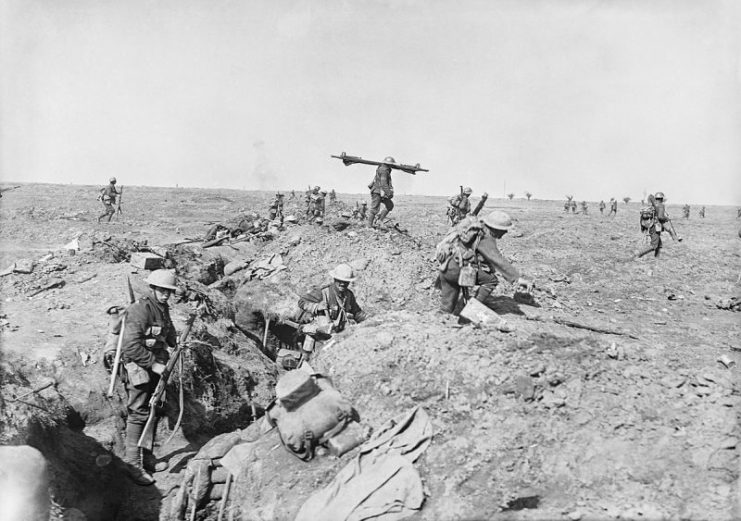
(613,207)
(653,224)
(276,208)
(460,206)
(108,198)
(702,212)
(602,207)
(146,337)
(686,211)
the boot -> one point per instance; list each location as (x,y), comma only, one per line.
(382,215)
(152,464)
(133,455)
(371,218)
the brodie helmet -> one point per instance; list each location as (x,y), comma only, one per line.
(112,180)
(498,220)
(659,195)
(467,190)
(389,160)
(343,272)
(162,279)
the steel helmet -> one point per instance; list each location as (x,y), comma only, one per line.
(498,220)
(659,195)
(317,188)
(112,180)
(389,160)
(343,272)
(467,190)
(162,279)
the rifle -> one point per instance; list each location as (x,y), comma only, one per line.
(120,196)
(673,232)
(147,438)
(117,358)
(480,204)
(351,160)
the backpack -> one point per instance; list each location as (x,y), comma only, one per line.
(462,238)
(647,217)
(308,411)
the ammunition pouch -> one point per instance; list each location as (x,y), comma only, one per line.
(136,375)
(467,276)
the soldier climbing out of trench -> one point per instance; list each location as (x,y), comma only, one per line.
(146,336)
(463,253)
(331,306)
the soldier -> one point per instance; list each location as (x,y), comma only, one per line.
(108,197)
(584,208)
(602,207)
(738,213)
(332,196)
(146,336)
(318,206)
(460,206)
(311,194)
(467,251)
(382,191)
(702,212)
(362,213)
(686,211)
(566,206)
(293,195)
(652,222)
(276,208)
(613,207)
(335,301)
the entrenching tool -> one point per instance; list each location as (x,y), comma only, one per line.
(117,358)
(146,441)
(351,160)
(120,196)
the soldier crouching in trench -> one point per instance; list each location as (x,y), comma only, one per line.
(147,334)
(462,253)
(334,301)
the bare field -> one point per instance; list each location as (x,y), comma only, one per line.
(545,422)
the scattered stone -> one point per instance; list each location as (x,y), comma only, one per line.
(726,361)
(537,370)
(673,381)
(524,387)
(384,340)
(24,266)
(145,261)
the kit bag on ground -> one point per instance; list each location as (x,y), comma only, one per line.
(308,412)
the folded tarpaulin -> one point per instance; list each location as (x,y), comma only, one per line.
(380,483)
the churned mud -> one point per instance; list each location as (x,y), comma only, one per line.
(547,421)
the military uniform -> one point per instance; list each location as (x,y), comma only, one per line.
(276,208)
(686,211)
(460,207)
(702,212)
(613,207)
(338,308)
(482,249)
(654,225)
(382,191)
(146,336)
(318,206)
(602,207)
(108,198)
(584,207)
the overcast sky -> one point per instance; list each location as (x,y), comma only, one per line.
(593,98)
